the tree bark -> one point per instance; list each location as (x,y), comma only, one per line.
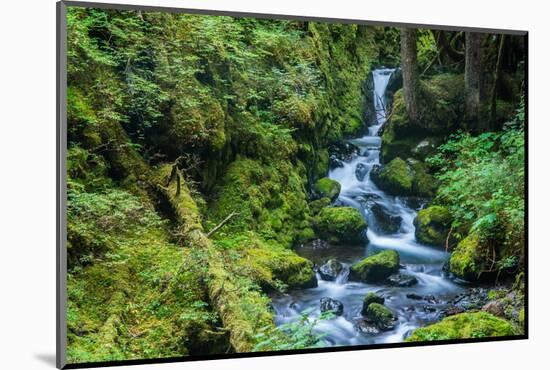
(472,76)
(409,66)
(498,67)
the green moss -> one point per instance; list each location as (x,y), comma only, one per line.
(424,184)
(395,178)
(317,205)
(269,199)
(432,225)
(371,298)
(341,224)
(379,314)
(375,268)
(327,188)
(465,261)
(464,326)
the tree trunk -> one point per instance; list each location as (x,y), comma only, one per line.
(409,66)
(472,76)
(496,79)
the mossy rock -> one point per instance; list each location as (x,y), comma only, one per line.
(375,268)
(271,264)
(396,178)
(464,326)
(380,315)
(371,298)
(327,188)
(432,225)
(317,205)
(341,225)
(424,184)
(465,261)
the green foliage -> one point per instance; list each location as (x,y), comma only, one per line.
(462,326)
(299,334)
(482,184)
(341,224)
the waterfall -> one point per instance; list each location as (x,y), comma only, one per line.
(422,262)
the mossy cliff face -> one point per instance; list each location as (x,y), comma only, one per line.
(375,268)
(463,326)
(340,225)
(432,225)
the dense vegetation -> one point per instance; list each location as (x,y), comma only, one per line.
(198,148)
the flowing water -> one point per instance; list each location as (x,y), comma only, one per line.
(423,262)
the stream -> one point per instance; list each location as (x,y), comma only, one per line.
(413,306)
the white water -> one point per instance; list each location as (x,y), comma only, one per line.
(423,262)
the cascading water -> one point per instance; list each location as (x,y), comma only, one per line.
(423,262)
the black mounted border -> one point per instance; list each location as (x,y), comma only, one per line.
(61,191)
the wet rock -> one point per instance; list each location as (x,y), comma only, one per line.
(454,310)
(330,270)
(414,296)
(343,151)
(371,298)
(332,305)
(497,308)
(334,162)
(386,223)
(375,268)
(473,299)
(381,316)
(361,171)
(429,309)
(366,327)
(396,177)
(401,280)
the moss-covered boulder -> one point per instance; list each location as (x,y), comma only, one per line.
(375,268)
(271,264)
(395,178)
(327,188)
(341,225)
(424,184)
(465,260)
(463,326)
(380,315)
(432,225)
(371,297)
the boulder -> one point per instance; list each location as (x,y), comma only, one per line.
(371,298)
(332,305)
(343,151)
(386,223)
(361,171)
(375,268)
(464,326)
(330,270)
(381,316)
(334,162)
(367,327)
(401,280)
(328,188)
(432,225)
(341,225)
(395,178)
(465,261)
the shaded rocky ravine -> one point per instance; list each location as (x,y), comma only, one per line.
(419,293)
